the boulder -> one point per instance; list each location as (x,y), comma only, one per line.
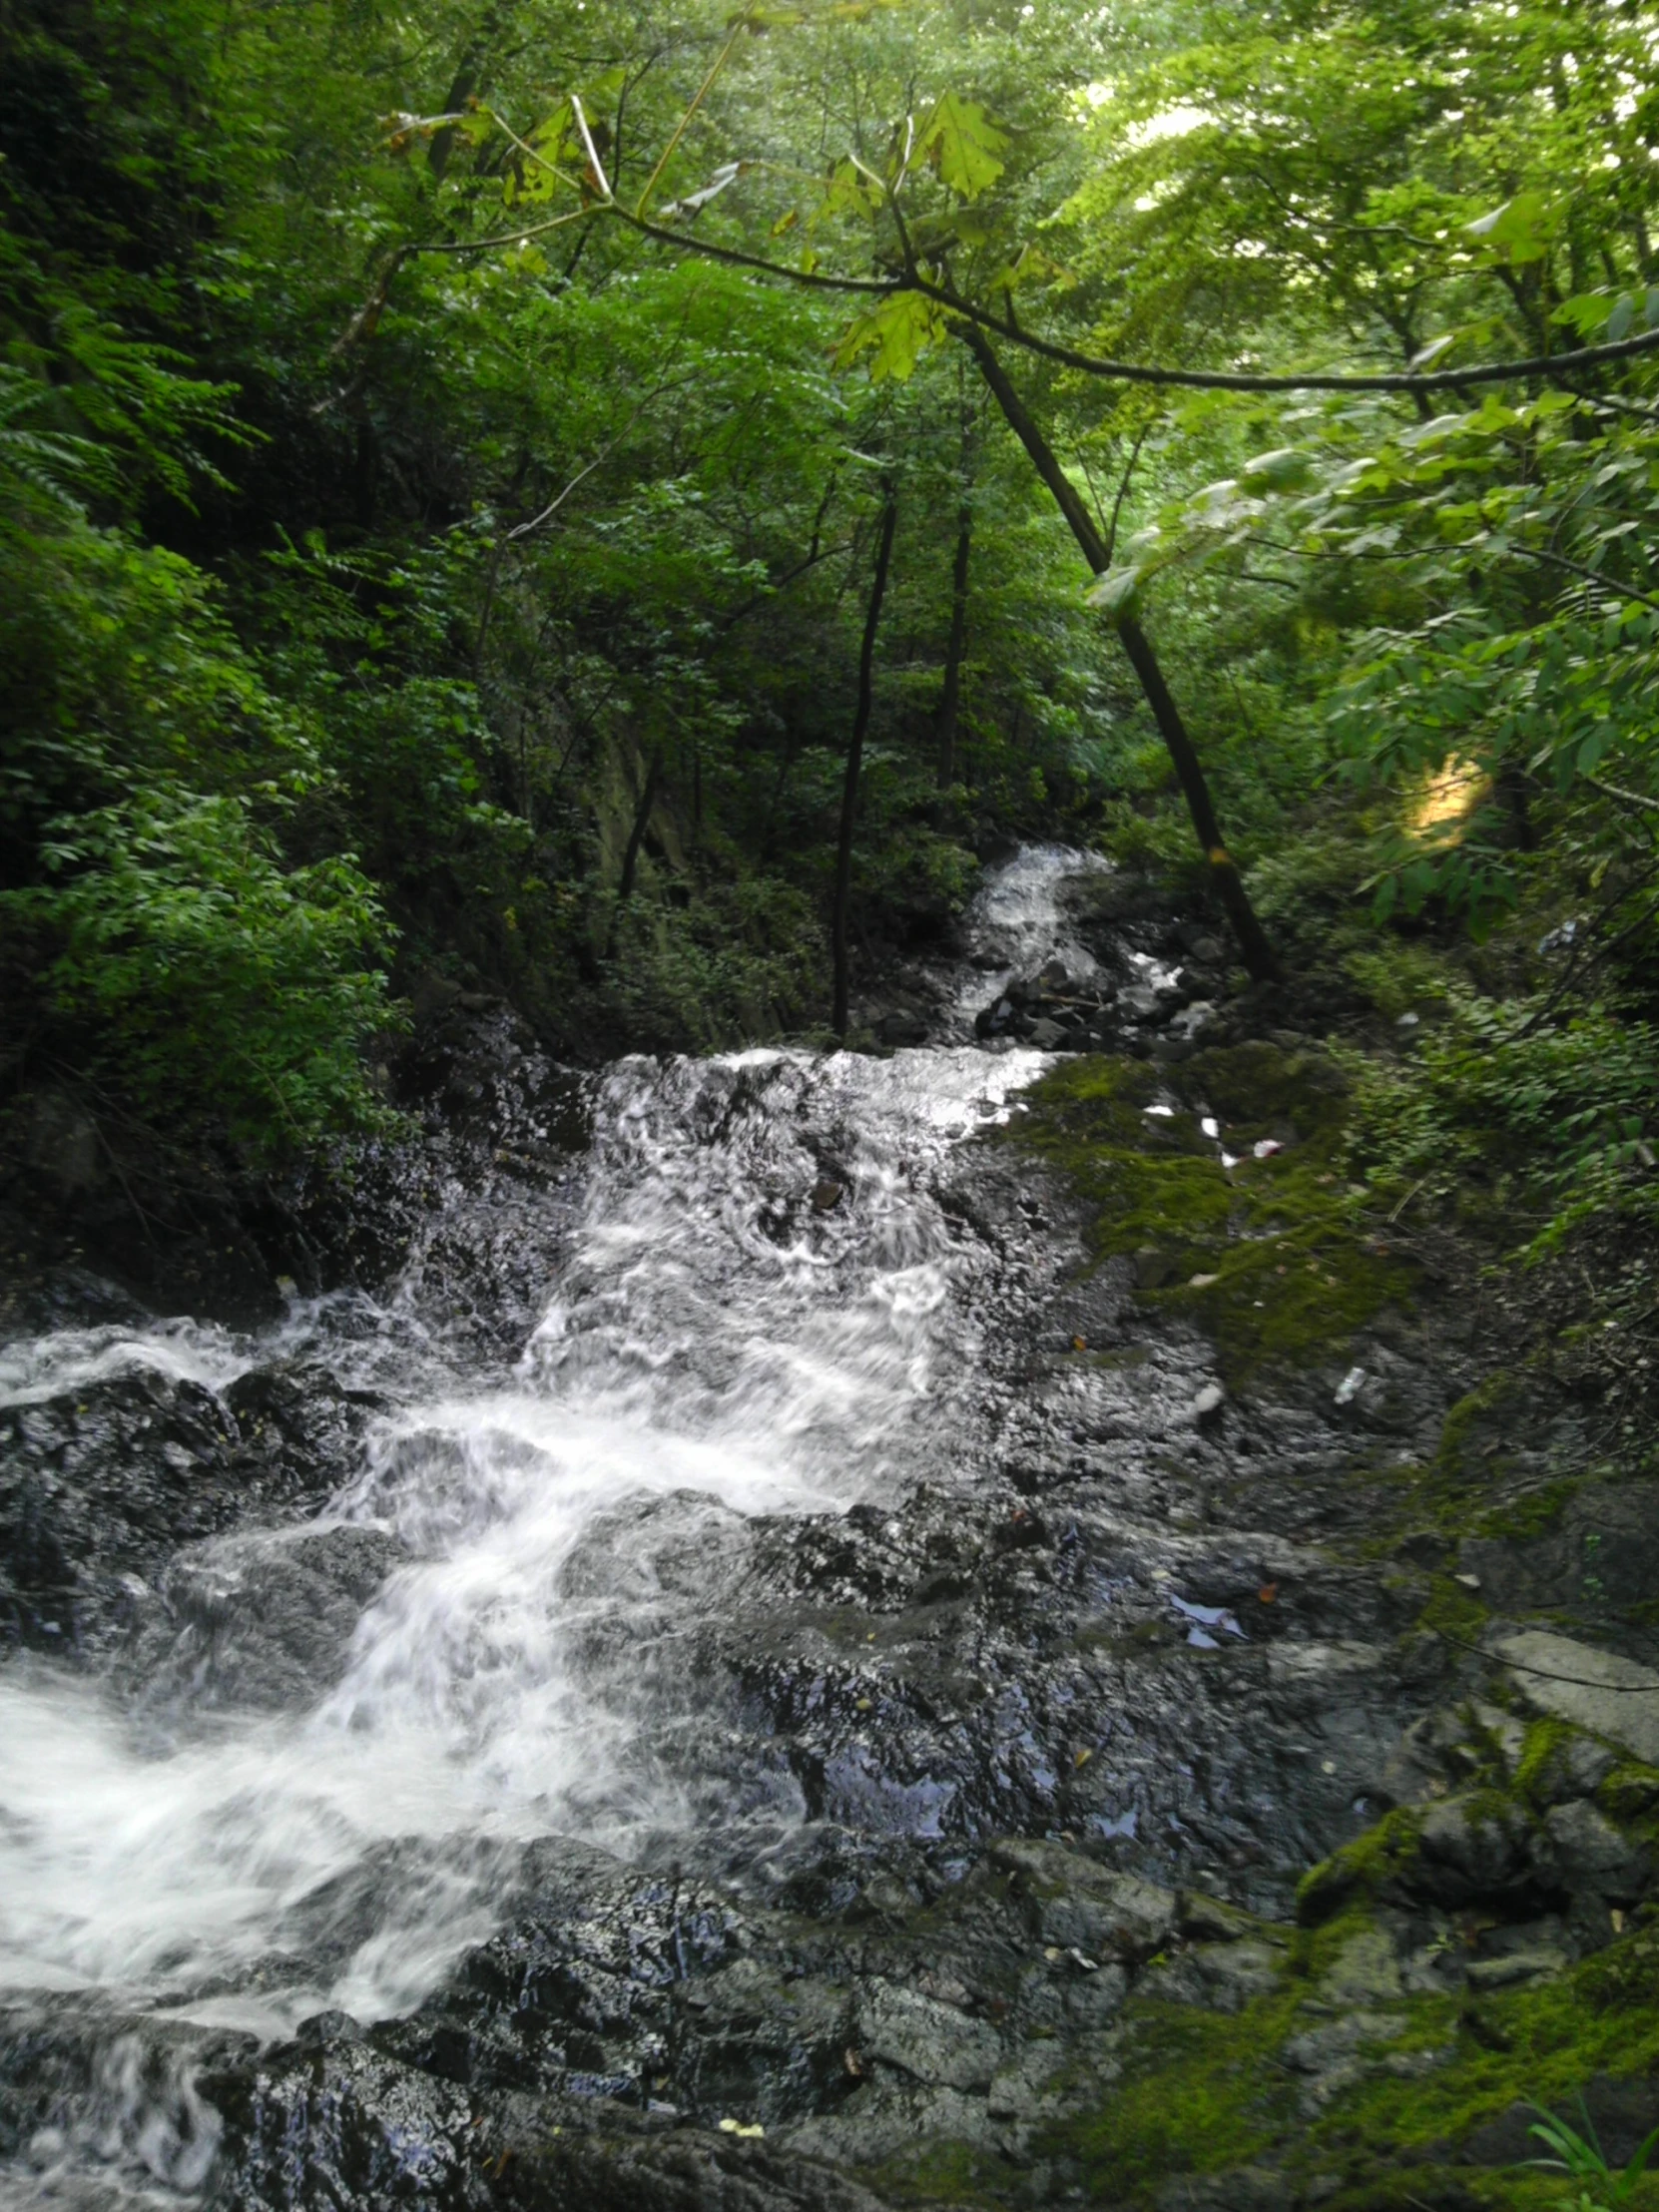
(1471,1847)
(1595,1690)
(932,2043)
(1579,1849)
(1073,1902)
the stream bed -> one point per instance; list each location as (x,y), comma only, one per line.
(694,1684)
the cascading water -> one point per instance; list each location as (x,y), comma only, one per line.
(1017,926)
(764,1309)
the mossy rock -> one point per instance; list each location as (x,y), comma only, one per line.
(1203,2095)
(1383,1854)
(1630,1792)
(1268,1257)
(1197,2099)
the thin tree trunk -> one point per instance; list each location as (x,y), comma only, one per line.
(950,699)
(1228,884)
(855,760)
(468,71)
(636,838)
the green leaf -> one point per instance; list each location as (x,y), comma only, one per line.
(850,190)
(1586,311)
(553,135)
(1516,232)
(1278,471)
(963,144)
(895,336)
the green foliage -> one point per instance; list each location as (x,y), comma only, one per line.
(1600,2188)
(1549,1117)
(436,557)
(212,985)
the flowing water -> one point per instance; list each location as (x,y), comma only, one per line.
(761,1307)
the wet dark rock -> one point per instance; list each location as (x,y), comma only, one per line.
(340,2126)
(101,1486)
(297,1429)
(1075,1902)
(1471,1847)
(579,1992)
(1582,1850)
(260,1620)
(681,2172)
(902,1029)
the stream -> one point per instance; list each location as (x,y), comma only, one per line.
(778,1651)
(480,1635)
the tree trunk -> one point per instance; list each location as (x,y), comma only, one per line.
(952,697)
(1228,884)
(854,762)
(636,838)
(468,69)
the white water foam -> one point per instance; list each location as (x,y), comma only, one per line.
(711,1336)
(1017,921)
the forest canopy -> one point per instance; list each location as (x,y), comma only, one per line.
(628,506)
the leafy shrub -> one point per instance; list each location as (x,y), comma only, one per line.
(740,960)
(209,981)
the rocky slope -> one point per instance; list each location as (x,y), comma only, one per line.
(1237,1788)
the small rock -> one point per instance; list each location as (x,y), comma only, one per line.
(1470,1847)
(1596,1690)
(1584,1851)
(1213,1920)
(1578,1770)
(1073,1900)
(1207,1406)
(1518,1966)
(932,2043)
(899,1030)
(1424,1547)
(826,1195)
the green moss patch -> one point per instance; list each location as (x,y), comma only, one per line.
(1268,1255)
(940,2173)
(1204,2094)
(1359,1869)
(1198,2098)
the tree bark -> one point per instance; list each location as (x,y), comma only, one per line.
(951,697)
(854,762)
(1227,882)
(636,838)
(468,69)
